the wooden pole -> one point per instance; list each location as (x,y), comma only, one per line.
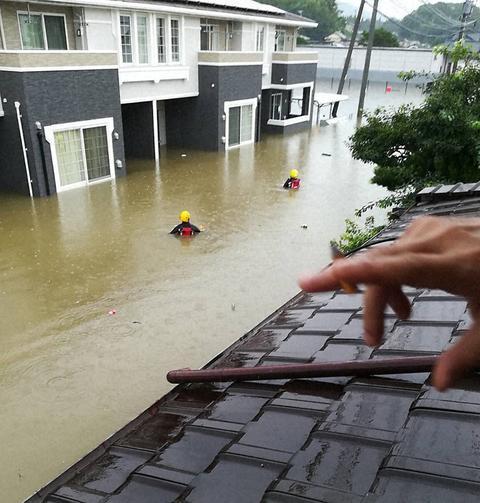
(348,57)
(358,368)
(368,55)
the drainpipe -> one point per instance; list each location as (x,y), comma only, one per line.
(42,154)
(24,148)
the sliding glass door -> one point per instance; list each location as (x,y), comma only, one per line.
(240,125)
(82,156)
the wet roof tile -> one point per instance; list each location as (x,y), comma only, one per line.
(408,337)
(325,321)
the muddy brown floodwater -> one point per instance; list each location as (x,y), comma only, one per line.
(70,374)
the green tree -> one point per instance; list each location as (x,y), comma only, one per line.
(381,38)
(324,12)
(436,142)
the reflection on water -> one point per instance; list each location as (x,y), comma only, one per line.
(70,373)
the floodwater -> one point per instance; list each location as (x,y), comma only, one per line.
(70,373)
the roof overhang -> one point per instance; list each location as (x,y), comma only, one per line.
(184,10)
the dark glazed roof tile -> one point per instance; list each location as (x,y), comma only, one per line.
(281,429)
(372,407)
(237,408)
(70,494)
(407,337)
(340,351)
(234,479)
(396,486)
(266,340)
(289,491)
(291,317)
(438,311)
(353,330)
(325,321)
(147,490)
(112,469)
(339,462)
(195,450)
(300,346)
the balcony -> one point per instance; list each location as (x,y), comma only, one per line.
(230,58)
(56,60)
(285,58)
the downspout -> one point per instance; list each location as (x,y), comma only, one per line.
(42,154)
(24,148)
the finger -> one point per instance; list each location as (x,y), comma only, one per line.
(399,302)
(415,269)
(319,282)
(458,360)
(375,301)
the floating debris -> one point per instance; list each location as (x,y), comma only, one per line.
(112,312)
(233,307)
(304,226)
(326,154)
(183,155)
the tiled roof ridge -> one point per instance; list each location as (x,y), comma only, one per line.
(443,192)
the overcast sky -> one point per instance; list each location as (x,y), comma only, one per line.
(397,8)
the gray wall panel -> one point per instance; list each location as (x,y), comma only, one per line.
(138,130)
(293,73)
(58,97)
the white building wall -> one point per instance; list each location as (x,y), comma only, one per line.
(100,30)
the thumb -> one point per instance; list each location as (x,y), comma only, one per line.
(458,360)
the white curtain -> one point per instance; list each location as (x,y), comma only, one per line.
(31,31)
(68,146)
(96,152)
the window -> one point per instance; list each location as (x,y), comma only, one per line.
(126,38)
(81,155)
(209,36)
(259,44)
(299,98)
(280,38)
(276,106)
(175,40)
(2,40)
(161,40)
(241,124)
(142,39)
(43,31)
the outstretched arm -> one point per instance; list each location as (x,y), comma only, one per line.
(434,252)
(176,229)
(195,228)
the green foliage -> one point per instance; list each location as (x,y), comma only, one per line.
(381,38)
(430,27)
(324,12)
(437,142)
(355,235)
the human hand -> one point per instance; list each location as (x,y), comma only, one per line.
(434,252)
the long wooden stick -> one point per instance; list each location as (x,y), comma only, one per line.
(407,365)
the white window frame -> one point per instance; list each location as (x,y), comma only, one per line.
(239,103)
(276,48)
(215,28)
(165,41)
(42,14)
(152,34)
(258,29)
(149,42)
(180,40)
(2,33)
(50,131)
(281,105)
(300,118)
(132,37)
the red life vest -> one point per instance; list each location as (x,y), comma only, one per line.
(186,231)
(295,184)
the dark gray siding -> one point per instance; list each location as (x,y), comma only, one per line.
(198,122)
(293,73)
(138,130)
(12,168)
(59,97)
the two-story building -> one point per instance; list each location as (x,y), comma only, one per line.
(86,83)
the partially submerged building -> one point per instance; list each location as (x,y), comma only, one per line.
(388,439)
(86,83)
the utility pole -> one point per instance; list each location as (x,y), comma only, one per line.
(466,13)
(349,56)
(368,56)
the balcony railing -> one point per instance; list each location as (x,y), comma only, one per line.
(285,58)
(230,58)
(48,60)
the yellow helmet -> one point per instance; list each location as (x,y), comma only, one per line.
(293,173)
(185,216)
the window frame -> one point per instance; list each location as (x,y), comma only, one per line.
(165,44)
(277,32)
(272,96)
(132,36)
(50,131)
(147,16)
(212,28)
(179,40)
(260,28)
(2,33)
(240,103)
(44,31)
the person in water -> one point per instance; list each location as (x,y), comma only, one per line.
(185,228)
(293,182)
